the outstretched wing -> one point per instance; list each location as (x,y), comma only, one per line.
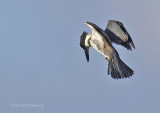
(118,34)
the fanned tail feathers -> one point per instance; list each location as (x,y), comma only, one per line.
(118,69)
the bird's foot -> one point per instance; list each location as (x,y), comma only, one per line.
(107,59)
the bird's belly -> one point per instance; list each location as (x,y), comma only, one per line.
(100,47)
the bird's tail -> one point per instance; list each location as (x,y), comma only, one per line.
(118,69)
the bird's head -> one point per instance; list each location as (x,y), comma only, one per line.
(84,43)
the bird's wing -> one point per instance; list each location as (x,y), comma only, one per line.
(118,34)
(98,29)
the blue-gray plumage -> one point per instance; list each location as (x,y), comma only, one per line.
(100,41)
(118,34)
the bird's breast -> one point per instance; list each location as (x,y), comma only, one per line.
(101,47)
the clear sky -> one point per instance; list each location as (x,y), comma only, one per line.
(41,62)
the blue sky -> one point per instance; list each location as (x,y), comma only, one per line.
(41,62)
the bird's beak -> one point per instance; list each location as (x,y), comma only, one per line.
(87,54)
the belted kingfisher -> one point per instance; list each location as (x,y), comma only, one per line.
(101,42)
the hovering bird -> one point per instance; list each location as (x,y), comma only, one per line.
(100,41)
(118,34)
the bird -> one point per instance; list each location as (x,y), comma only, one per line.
(101,42)
(118,34)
